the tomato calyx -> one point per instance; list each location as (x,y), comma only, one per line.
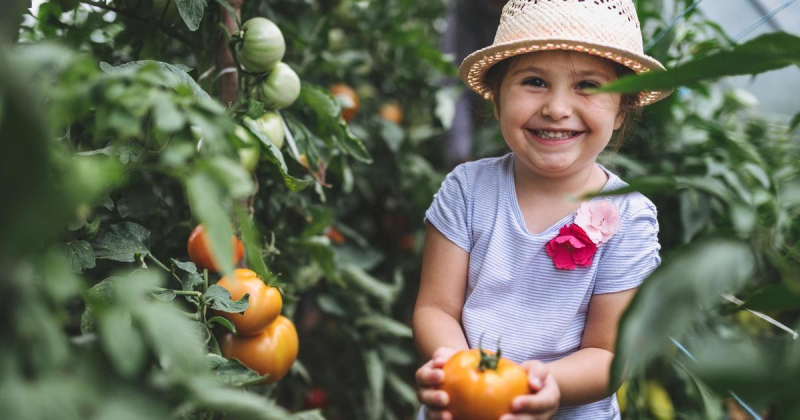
(488,360)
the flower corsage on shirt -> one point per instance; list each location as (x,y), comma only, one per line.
(575,245)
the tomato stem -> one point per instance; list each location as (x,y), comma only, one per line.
(488,361)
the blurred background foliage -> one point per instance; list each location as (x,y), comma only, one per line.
(104,174)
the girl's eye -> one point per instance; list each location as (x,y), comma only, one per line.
(586,84)
(533,81)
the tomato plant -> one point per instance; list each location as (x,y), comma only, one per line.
(270,352)
(200,252)
(264,302)
(482,385)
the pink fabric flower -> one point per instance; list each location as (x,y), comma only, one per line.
(571,248)
(599,219)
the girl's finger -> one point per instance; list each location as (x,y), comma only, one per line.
(433,398)
(442,355)
(427,376)
(537,372)
(438,415)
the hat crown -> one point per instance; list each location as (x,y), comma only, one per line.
(610,22)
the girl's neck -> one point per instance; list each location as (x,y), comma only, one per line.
(589,179)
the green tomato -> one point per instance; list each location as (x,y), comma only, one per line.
(281,88)
(270,125)
(251,152)
(263,45)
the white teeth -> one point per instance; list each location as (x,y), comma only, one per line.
(555,135)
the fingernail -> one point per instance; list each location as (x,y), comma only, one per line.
(537,383)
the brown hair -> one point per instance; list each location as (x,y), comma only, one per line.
(632,113)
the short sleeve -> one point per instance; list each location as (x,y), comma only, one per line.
(632,254)
(449,211)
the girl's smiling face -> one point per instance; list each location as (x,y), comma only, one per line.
(547,117)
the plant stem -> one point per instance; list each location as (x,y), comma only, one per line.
(160,264)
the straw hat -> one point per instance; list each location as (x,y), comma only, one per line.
(606,28)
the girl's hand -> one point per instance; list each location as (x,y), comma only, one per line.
(430,377)
(545,395)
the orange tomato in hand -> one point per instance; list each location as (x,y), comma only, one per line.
(271,352)
(200,251)
(264,304)
(481,385)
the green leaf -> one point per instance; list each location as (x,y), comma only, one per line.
(168,117)
(276,157)
(767,52)
(122,343)
(406,392)
(230,173)
(80,255)
(328,117)
(214,396)
(192,12)
(330,305)
(222,321)
(220,299)
(376,377)
(174,75)
(188,266)
(795,122)
(674,297)
(385,325)
(122,242)
(358,278)
(315,414)
(392,134)
(319,249)
(232,372)
(253,246)
(206,200)
(165,295)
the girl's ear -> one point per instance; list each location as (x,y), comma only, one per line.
(619,119)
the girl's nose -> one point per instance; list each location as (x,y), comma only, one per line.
(557,106)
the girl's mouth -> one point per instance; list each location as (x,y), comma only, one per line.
(553,137)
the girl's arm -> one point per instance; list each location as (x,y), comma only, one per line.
(583,377)
(443,282)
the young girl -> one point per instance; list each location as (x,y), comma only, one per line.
(510,253)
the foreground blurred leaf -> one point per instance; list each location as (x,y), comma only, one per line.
(767,52)
(208,201)
(174,75)
(674,297)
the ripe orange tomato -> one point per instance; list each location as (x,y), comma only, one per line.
(334,235)
(347,97)
(264,305)
(200,252)
(481,385)
(271,352)
(391,111)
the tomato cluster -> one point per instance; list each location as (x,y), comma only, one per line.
(260,50)
(264,341)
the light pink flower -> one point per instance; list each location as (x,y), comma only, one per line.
(600,220)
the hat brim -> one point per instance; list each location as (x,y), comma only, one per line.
(473,69)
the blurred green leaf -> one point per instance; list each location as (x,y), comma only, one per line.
(238,404)
(121,341)
(174,75)
(376,377)
(359,279)
(776,297)
(253,246)
(220,299)
(122,242)
(384,325)
(232,372)
(674,296)
(767,52)
(208,202)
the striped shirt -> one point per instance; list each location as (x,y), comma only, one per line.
(514,292)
